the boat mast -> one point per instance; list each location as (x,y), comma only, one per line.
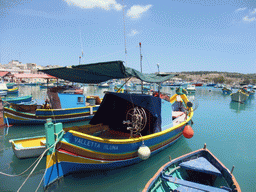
(141,68)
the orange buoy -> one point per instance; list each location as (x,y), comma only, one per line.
(188,132)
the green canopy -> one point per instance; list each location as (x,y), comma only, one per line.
(100,72)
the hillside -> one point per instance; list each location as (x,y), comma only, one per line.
(218,77)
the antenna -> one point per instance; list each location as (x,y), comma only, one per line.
(125,50)
(141,68)
(81,47)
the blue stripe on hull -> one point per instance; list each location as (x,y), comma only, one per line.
(38,121)
(53,173)
(65,112)
(118,148)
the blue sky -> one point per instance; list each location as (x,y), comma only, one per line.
(181,35)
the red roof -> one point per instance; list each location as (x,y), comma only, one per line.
(23,75)
(3,73)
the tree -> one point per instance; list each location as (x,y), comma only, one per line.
(219,79)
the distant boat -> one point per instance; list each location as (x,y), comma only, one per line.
(196,171)
(211,84)
(191,88)
(16,100)
(226,90)
(103,85)
(62,107)
(240,96)
(13,91)
(10,85)
(198,84)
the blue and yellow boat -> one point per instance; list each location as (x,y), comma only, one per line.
(61,107)
(14,90)
(16,100)
(196,171)
(127,128)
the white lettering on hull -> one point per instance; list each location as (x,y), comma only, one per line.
(95,145)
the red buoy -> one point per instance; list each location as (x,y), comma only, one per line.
(188,132)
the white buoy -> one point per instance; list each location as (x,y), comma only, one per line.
(144,152)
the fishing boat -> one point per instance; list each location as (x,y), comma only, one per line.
(198,84)
(211,84)
(227,90)
(196,171)
(61,107)
(127,128)
(16,100)
(191,88)
(240,96)
(29,106)
(13,91)
(10,85)
(28,147)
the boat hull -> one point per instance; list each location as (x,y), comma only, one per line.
(102,155)
(12,116)
(28,147)
(177,179)
(239,97)
(16,100)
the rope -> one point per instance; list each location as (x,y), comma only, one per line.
(9,175)
(42,155)
(38,160)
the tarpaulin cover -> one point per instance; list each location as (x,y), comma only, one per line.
(104,71)
(115,106)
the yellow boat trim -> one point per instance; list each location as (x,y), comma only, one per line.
(68,108)
(7,114)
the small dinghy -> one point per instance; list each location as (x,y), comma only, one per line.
(196,171)
(28,147)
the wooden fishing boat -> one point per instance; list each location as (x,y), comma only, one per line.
(15,100)
(126,129)
(226,90)
(62,107)
(196,171)
(28,147)
(198,84)
(13,91)
(240,96)
(10,85)
(191,88)
(30,106)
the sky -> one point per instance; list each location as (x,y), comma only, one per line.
(176,35)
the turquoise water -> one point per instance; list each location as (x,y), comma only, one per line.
(227,128)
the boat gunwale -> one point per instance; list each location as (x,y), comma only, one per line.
(33,115)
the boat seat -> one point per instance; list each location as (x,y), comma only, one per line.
(186,189)
(201,165)
(192,186)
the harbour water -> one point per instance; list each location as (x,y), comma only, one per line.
(228,129)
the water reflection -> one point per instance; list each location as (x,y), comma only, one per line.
(237,107)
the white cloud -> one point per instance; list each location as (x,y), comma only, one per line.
(136,11)
(241,9)
(90,4)
(247,19)
(133,32)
